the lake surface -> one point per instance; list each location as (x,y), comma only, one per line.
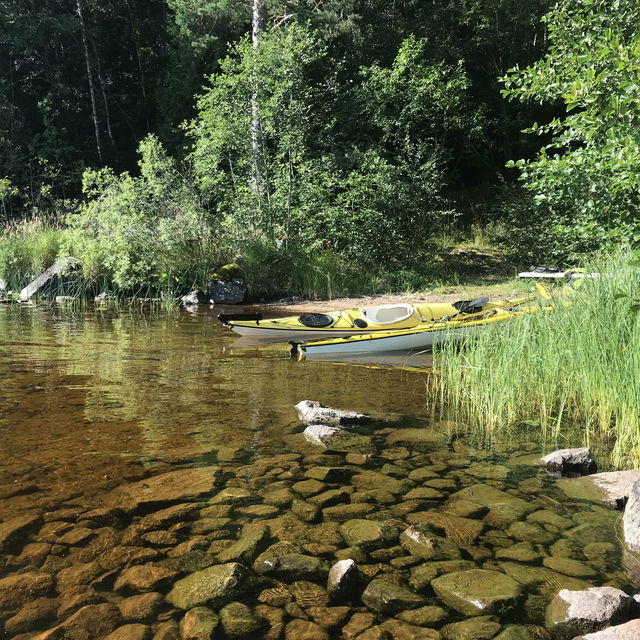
(110,421)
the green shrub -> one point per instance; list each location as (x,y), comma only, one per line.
(146,232)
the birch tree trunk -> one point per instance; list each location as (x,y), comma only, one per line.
(92,92)
(257,26)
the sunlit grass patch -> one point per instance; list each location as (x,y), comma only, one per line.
(574,366)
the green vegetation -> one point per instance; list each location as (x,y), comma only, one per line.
(326,147)
(586,179)
(572,366)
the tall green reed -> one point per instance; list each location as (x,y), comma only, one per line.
(572,371)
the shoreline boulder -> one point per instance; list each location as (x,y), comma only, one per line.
(572,613)
(312,412)
(577,460)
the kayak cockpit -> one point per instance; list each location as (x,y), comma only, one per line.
(387,313)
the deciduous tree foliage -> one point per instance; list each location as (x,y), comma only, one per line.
(586,180)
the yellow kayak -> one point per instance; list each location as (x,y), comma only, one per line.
(357,321)
(418,338)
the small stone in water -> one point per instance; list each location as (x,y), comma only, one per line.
(343,579)
(424,616)
(239,621)
(520,552)
(421,541)
(569,567)
(133,631)
(480,628)
(368,534)
(478,591)
(144,577)
(389,598)
(298,629)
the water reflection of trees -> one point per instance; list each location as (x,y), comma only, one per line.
(172,379)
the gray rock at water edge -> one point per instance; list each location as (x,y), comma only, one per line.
(612,487)
(577,460)
(344,578)
(572,613)
(231,291)
(3,286)
(631,519)
(194,298)
(61,267)
(312,412)
(627,631)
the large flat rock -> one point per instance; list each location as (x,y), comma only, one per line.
(478,592)
(215,586)
(612,487)
(173,486)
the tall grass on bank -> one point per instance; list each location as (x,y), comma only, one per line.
(576,366)
(27,248)
(311,273)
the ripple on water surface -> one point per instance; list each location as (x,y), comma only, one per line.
(153,476)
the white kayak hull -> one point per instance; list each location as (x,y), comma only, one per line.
(292,333)
(407,342)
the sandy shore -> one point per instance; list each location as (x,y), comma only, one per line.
(306,306)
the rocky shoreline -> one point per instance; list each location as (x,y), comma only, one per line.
(362,530)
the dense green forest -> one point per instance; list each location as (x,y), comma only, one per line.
(159,139)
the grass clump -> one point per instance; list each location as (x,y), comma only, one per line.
(27,248)
(572,367)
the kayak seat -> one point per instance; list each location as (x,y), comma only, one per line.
(387,313)
(315,320)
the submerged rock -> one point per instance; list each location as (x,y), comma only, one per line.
(368,534)
(387,597)
(337,439)
(478,592)
(480,628)
(312,412)
(253,539)
(18,589)
(239,621)
(572,613)
(14,532)
(133,631)
(570,461)
(421,541)
(144,577)
(89,623)
(344,577)
(214,585)
(173,486)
